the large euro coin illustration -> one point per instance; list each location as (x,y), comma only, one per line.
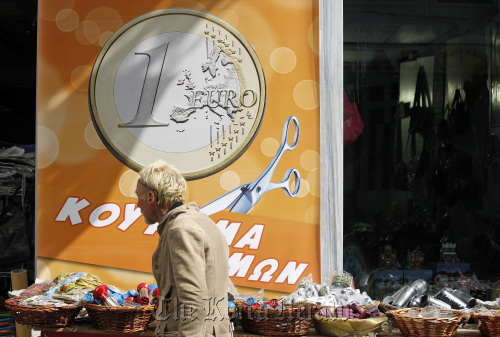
(179,85)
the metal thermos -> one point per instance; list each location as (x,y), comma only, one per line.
(432,301)
(403,297)
(416,301)
(469,300)
(388,299)
(447,295)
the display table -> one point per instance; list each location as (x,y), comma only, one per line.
(86,329)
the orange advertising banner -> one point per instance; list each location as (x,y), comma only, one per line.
(226,91)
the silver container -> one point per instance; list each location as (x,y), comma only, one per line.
(432,301)
(417,301)
(420,285)
(404,297)
(388,299)
(446,295)
(466,298)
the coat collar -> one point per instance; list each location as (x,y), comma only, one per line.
(173,213)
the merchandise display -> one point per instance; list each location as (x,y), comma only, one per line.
(330,308)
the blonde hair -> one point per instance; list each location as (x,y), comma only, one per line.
(165,180)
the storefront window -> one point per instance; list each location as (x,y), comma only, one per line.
(422,164)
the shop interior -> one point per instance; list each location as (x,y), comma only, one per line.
(421,181)
(18,43)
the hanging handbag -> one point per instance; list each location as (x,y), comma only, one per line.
(353,125)
(457,117)
(443,129)
(421,113)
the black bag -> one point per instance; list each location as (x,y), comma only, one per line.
(14,239)
(401,177)
(443,130)
(457,117)
(421,113)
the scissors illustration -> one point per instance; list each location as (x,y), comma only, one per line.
(244,197)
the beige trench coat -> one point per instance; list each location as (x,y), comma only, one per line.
(191,266)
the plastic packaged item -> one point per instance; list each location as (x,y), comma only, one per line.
(143,290)
(88,298)
(101,293)
(42,300)
(37,288)
(114,290)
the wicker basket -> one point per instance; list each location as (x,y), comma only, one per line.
(384,307)
(488,324)
(428,327)
(120,319)
(292,321)
(341,327)
(42,316)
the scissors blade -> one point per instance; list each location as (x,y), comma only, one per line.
(244,203)
(225,201)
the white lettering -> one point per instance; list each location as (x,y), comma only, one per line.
(96,213)
(291,272)
(151,229)
(72,210)
(268,275)
(239,264)
(251,238)
(132,213)
(229,230)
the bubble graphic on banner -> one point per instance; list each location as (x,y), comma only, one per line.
(128,183)
(313,36)
(80,78)
(304,188)
(306,94)
(87,32)
(229,16)
(49,12)
(269,146)
(310,160)
(313,179)
(229,180)
(107,20)
(47,147)
(185,4)
(283,60)
(92,137)
(67,20)
(287,4)
(104,37)
(312,214)
(76,151)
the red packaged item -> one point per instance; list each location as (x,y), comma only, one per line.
(355,308)
(37,288)
(274,303)
(143,290)
(370,313)
(345,312)
(101,293)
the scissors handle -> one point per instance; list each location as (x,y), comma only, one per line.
(260,184)
(252,192)
(284,139)
(285,183)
